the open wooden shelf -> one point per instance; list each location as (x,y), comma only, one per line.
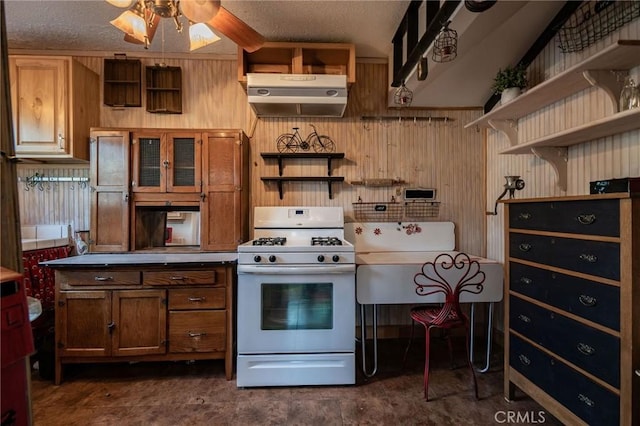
(282,155)
(594,71)
(280,179)
(122,82)
(299,58)
(164,89)
(601,70)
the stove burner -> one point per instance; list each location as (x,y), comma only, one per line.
(326,241)
(270,241)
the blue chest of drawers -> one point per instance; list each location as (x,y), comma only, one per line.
(572,282)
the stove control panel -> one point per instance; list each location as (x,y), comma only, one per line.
(281,259)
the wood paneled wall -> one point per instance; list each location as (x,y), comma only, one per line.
(611,157)
(436,154)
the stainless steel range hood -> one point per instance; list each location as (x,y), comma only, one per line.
(297,95)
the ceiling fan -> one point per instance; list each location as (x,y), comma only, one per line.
(142,17)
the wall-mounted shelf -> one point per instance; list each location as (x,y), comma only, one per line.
(600,70)
(328,179)
(164,89)
(282,156)
(122,82)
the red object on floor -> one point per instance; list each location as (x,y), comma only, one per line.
(431,280)
(17,345)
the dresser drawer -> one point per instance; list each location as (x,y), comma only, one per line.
(585,398)
(98,277)
(197,331)
(181,277)
(197,298)
(588,217)
(594,301)
(597,258)
(590,349)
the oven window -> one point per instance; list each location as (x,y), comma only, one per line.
(293,306)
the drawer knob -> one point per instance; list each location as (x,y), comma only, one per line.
(524,318)
(524,360)
(587,300)
(591,258)
(197,299)
(525,280)
(586,349)
(524,216)
(524,247)
(586,219)
(196,335)
(588,401)
(103,278)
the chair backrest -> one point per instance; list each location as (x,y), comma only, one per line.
(450,275)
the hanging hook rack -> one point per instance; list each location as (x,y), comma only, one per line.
(401,118)
(37,180)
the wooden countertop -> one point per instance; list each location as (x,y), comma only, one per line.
(134,259)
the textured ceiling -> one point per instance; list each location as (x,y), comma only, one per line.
(84,25)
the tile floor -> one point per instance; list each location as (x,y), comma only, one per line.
(197,393)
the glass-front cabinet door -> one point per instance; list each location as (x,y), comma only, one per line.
(166,162)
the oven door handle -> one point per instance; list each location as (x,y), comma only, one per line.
(296,270)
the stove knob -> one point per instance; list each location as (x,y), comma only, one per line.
(272,258)
(320,258)
(335,258)
(257,259)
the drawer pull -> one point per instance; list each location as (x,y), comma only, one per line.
(103,278)
(591,258)
(524,360)
(177,278)
(586,349)
(586,219)
(638,373)
(196,335)
(587,300)
(588,401)
(197,299)
(524,216)
(524,318)
(525,280)
(524,247)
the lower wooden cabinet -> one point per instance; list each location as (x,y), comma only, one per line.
(144,313)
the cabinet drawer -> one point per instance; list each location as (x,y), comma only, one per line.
(590,349)
(594,301)
(99,277)
(597,258)
(601,217)
(183,277)
(585,398)
(197,298)
(197,331)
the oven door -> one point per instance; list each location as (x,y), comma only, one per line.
(296,309)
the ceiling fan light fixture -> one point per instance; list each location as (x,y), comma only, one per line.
(200,35)
(122,3)
(132,24)
(199,10)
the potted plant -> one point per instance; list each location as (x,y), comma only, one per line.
(509,82)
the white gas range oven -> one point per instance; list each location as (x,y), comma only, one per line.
(296,299)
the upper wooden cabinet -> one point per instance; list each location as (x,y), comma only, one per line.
(166,161)
(299,58)
(122,82)
(55,100)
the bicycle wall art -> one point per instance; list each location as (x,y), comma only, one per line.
(293,142)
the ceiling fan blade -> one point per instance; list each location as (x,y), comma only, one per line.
(236,30)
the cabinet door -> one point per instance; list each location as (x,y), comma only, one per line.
(184,158)
(110,191)
(39,95)
(83,323)
(140,321)
(149,162)
(225,191)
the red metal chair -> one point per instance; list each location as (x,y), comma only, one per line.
(450,276)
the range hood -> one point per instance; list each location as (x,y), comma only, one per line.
(297,95)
